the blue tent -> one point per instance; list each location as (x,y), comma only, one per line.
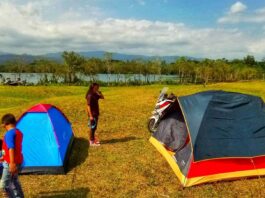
(47,139)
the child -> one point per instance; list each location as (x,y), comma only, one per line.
(92,97)
(12,158)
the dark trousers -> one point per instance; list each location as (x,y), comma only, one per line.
(93,124)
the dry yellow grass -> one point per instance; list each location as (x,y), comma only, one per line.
(126,164)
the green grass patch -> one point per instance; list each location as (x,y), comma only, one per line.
(126,164)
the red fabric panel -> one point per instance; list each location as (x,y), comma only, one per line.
(259,162)
(40,108)
(216,166)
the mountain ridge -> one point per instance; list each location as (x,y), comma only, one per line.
(57,56)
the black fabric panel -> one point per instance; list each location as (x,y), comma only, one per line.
(194,107)
(172,131)
(53,170)
(233,126)
(68,152)
(183,158)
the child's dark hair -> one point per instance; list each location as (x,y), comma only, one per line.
(9,119)
(91,87)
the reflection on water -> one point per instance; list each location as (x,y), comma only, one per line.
(35,78)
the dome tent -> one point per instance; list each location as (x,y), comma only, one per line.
(47,140)
(226,133)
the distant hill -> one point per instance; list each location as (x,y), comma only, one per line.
(12,57)
(119,56)
(4,57)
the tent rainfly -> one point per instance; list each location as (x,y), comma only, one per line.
(213,135)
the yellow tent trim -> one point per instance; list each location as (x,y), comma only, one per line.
(186,182)
(169,158)
(223,176)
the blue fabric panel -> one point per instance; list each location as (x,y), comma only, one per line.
(39,144)
(233,126)
(194,107)
(62,129)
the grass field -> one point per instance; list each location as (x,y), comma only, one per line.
(126,164)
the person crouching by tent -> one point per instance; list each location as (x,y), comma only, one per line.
(92,96)
(12,158)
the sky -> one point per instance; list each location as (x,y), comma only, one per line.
(198,28)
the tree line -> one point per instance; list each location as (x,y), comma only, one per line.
(186,70)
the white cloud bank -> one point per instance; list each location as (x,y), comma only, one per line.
(24,30)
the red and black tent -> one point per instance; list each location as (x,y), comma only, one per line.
(214,135)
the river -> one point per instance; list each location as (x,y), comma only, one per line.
(35,78)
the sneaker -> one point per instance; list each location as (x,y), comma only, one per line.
(96,141)
(93,143)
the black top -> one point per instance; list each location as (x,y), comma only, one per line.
(92,101)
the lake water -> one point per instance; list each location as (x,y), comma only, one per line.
(35,78)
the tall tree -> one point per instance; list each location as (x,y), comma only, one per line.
(108,63)
(250,60)
(206,70)
(73,63)
(91,67)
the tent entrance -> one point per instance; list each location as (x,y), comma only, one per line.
(173,135)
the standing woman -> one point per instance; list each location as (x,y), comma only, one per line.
(92,97)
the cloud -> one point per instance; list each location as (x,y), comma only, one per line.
(33,33)
(237,15)
(237,8)
(257,48)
